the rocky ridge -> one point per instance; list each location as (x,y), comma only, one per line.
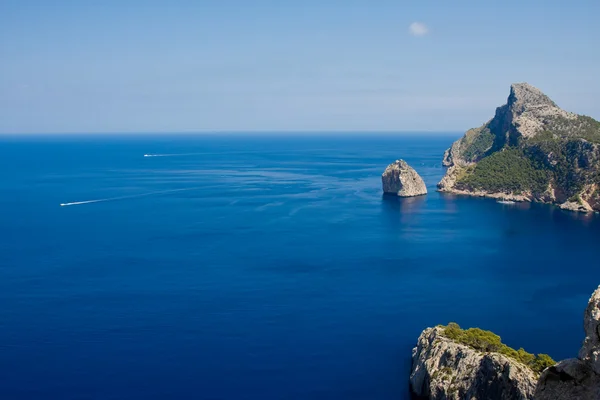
(401,179)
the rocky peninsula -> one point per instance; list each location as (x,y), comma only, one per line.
(531,150)
(401,179)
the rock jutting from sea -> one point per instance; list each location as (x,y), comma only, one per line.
(401,179)
(531,150)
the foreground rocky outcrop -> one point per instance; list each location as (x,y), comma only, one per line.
(451,363)
(445,369)
(577,378)
(401,179)
(531,150)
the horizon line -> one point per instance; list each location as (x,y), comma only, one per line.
(229,132)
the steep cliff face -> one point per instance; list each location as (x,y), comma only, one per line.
(531,150)
(577,378)
(443,368)
(401,179)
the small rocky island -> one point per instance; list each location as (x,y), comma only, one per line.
(531,150)
(401,179)
(452,363)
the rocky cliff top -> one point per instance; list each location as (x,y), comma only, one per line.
(443,368)
(451,363)
(531,110)
(400,164)
(401,179)
(526,95)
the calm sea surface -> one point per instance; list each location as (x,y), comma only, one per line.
(261,267)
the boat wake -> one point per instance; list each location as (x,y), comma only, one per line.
(75,203)
(133,196)
(171,155)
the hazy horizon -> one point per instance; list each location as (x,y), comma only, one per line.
(333,66)
(248,132)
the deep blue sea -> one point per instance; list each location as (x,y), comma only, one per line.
(262,267)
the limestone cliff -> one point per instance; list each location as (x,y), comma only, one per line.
(401,179)
(443,368)
(577,378)
(451,363)
(531,150)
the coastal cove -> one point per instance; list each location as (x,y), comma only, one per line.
(257,266)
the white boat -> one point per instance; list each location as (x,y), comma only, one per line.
(505,202)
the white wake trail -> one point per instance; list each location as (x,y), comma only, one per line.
(82,202)
(173,155)
(133,196)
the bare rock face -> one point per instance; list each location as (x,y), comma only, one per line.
(401,179)
(445,369)
(577,378)
(590,351)
(530,108)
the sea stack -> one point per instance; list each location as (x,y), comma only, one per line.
(401,179)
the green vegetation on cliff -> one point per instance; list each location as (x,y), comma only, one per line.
(487,341)
(505,171)
(566,163)
(569,161)
(477,144)
(582,126)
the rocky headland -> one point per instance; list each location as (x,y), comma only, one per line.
(451,363)
(531,150)
(401,179)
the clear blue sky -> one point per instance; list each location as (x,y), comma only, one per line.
(130,66)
